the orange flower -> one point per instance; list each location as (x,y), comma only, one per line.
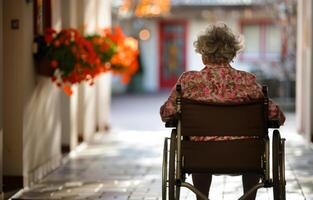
(125,79)
(67,90)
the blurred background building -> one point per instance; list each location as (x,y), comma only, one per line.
(166,39)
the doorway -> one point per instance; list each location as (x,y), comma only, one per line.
(172,51)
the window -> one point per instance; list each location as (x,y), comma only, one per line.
(263,41)
(273,42)
(252,41)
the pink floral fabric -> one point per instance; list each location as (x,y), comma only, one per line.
(218,84)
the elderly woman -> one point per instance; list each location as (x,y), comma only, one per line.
(219,82)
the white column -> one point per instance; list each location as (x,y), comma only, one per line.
(103,83)
(299,70)
(307,73)
(310,10)
(87,94)
(304,69)
(69,104)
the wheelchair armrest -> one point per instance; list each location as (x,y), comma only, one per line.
(171,123)
(274,123)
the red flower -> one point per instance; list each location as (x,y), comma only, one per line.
(48,38)
(74,50)
(67,42)
(53,78)
(54,64)
(50,31)
(56,43)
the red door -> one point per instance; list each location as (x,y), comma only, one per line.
(172,52)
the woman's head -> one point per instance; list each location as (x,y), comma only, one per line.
(218,44)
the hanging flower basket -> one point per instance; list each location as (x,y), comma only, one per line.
(125,61)
(69,58)
(42,63)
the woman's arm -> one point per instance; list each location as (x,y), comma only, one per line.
(168,109)
(274,112)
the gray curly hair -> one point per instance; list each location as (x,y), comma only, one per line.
(218,44)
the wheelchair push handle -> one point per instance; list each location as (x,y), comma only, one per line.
(264,90)
(178,88)
(178,98)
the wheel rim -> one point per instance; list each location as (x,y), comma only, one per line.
(164,169)
(282,169)
(172,184)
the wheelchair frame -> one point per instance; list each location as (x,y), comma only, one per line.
(173,178)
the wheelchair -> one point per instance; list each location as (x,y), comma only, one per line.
(181,156)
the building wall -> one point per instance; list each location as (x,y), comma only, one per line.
(304,104)
(17,61)
(149,51)
(31,103)
(194,61)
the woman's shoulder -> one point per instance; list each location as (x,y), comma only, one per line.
(245,74)
(189,74)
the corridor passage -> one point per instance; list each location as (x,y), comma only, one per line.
(126,163)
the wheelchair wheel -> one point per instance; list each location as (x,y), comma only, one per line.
(164,169)
(173,190)
(279,183)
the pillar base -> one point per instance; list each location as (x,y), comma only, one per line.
(11,185)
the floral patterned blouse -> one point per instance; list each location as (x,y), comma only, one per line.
(218,83)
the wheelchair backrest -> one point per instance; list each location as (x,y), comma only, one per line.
(212,119)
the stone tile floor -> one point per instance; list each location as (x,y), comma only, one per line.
(126,164)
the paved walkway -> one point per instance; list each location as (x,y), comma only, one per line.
(126,163)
